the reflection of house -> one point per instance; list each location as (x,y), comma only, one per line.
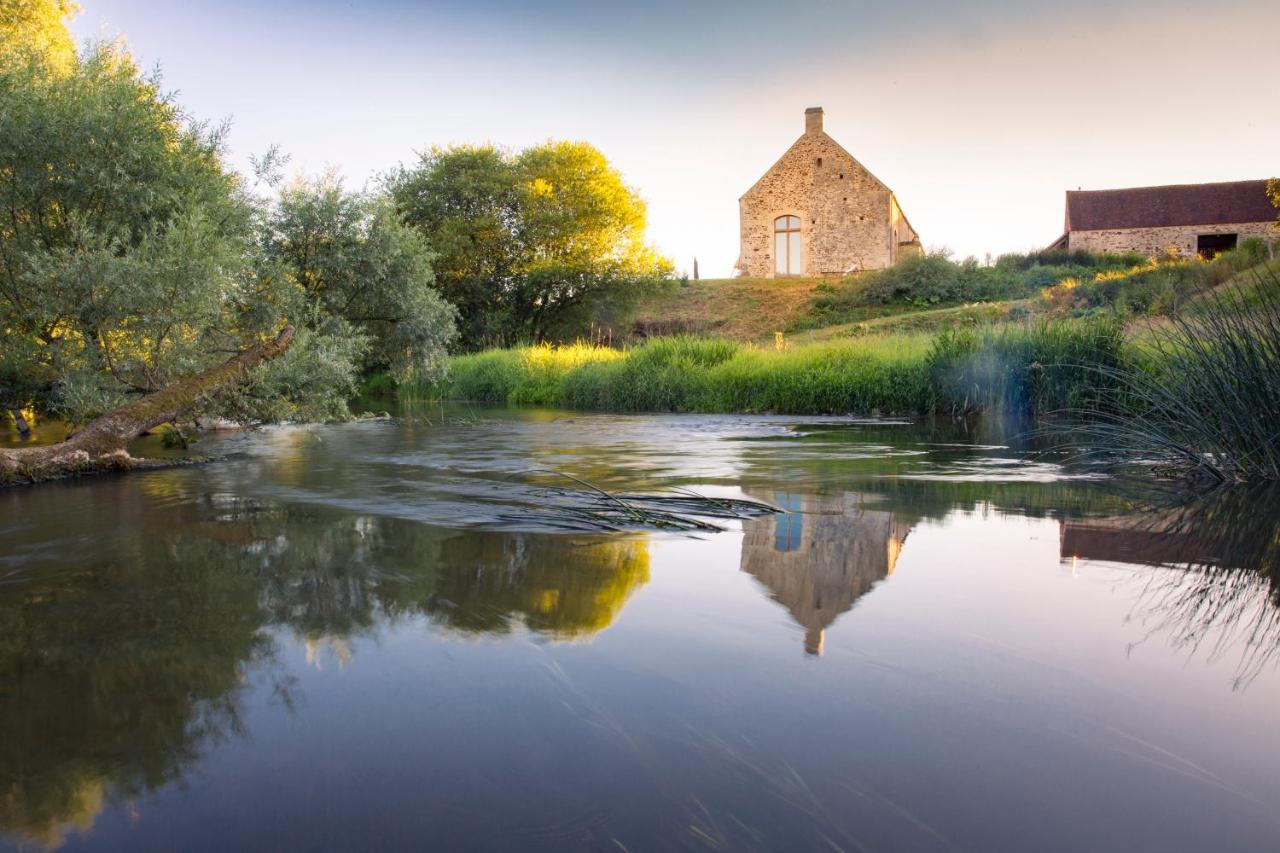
(1127,540)
(820,556)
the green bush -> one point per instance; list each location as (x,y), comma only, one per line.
(1158,288)
(937,280)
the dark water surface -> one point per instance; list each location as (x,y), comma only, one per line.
(392,636)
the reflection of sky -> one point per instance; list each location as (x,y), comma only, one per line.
(985,691)
(789,525)
(978,114)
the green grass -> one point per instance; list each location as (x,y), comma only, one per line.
(1205,397)
(1032,367)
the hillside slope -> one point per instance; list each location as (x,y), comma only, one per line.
(744,309)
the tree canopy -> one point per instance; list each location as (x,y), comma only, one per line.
(534,245)
(352,255)
(37,29)
(132,257)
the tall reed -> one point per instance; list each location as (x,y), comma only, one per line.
(1205,400)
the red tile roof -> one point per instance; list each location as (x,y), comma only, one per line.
(1156,207)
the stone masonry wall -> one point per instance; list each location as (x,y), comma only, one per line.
(1152,241)
(846,214)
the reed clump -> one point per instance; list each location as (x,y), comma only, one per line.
(1204,398)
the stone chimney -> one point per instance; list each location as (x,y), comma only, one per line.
(813,120)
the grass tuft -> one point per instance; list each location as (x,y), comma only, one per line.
(1206,398)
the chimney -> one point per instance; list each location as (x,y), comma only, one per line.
(813,120)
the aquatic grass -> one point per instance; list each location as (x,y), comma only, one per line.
(1204,400)
(527,375)
(884,375)
(1037,368)
(1025,367)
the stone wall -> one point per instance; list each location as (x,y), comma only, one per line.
(849,219)
(1152,241)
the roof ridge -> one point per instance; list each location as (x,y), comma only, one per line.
(1174,186)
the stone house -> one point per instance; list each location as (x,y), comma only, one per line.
(1190,219)
(818,211)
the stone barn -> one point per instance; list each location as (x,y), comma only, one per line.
(1190,219)
(818,211)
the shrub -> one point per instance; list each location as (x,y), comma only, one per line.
(937,280)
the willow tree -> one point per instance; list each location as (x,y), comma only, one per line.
(530,246)
(350,255)
(130,267)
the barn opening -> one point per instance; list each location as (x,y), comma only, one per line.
(1212,245)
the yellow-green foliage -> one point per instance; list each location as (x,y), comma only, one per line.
(524,375)
(1033,367)
(37,29)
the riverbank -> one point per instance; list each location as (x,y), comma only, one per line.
(1034,367)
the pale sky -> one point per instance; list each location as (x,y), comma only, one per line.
(979,115)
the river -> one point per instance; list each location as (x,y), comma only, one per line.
(405,634)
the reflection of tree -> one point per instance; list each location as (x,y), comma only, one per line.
(554,586)
(1225,549)
(114,678)
(821,556)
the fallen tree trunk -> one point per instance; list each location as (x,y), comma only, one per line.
(101,445)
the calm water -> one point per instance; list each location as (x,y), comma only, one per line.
(390,636)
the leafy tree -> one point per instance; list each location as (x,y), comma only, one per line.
(350,254)
(530,246)
(466,202)
(124,241)
(37,29)
(131,258)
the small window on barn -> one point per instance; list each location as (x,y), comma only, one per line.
(786,246)
(1209,246)
(842,176)
(819,161)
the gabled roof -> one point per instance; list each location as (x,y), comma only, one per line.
(826,138)
(1180,204)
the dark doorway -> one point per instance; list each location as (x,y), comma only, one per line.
(1212,245)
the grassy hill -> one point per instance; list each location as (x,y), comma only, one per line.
(742,309)
(931,294)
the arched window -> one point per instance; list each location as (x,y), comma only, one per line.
(786,246)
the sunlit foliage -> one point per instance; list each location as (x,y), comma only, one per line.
(37,30)
(531,246)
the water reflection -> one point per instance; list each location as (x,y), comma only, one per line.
(118,674)
(115,679)
(1225,547)
(143,619)
(818,558)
